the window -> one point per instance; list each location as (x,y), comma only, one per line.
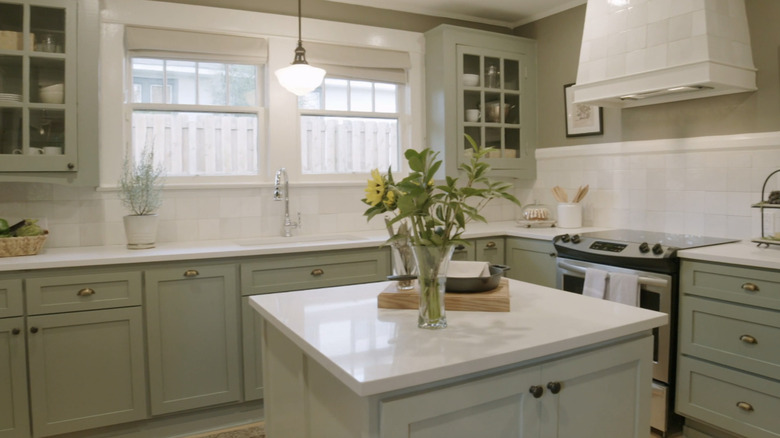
(349,126)
(195,98)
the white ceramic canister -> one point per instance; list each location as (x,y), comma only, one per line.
(570,215)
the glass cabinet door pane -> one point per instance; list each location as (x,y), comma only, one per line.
(48,27)
(512,143)
(11,19)
(10,79)
(47,131)
(511,75)
(47,78)
(10,130)
(492,73)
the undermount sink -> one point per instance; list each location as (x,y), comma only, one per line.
(299,240)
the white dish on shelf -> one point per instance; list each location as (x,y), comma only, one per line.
(10,97)
(51,96)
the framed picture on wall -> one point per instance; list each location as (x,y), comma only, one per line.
(581,119)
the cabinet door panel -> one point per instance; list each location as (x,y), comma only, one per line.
(14,419)
(604,393)
(498,406)
(193,337)
(11,303)
(532,261)
(490,250)
(86,370)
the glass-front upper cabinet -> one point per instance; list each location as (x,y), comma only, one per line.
(481,84)
(38,86)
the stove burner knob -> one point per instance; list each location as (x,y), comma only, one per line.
(575,238)
(644,247)
(658,249)
(565,238)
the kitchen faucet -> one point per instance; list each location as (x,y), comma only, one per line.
(282,191)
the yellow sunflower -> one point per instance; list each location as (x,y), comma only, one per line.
(375,189)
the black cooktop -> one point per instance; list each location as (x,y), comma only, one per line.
(679,241)
(637,249)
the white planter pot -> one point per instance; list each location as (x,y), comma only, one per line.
(141,231)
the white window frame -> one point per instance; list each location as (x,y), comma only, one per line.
(258,111)
(281,116)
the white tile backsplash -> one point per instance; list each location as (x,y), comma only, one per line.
(700,185)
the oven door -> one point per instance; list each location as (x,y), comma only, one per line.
(656,292)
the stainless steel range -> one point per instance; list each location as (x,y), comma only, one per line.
(653,258)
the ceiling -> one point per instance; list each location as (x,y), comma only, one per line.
(506,13)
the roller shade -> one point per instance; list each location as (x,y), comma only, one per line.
(359,62)
(175,44)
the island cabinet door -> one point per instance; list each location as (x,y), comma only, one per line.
(14,420)
(193,326)
(253,359)
(499,406)
(602,393)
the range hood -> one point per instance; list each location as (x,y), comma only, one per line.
(642,52)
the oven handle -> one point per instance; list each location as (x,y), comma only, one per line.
(646,281)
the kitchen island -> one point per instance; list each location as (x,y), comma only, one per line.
(557,364)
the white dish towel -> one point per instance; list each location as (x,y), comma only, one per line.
(595,283)
(623,288)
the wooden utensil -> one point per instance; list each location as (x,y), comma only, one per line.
(583,190)
(560,194)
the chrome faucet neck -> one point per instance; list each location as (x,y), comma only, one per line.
(281,192)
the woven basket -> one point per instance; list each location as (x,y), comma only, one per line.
(21,246)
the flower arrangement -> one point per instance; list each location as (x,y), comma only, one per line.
(438,215)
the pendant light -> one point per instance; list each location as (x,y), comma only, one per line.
(300,78)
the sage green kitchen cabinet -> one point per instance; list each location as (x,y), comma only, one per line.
(253,360)
(49,137)
(86,369)
(14,412)
(490,249)
(297,272)
(531,260)
(728,372)
(505,68)
(193,325)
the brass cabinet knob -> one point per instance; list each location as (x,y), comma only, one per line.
(86,292)
(490,244)
(15,331)
(748,339)
(33,329)
(317,272)
(536,391)
(554,387)
(189,273)
(750,287)
(745,406)
(460,247)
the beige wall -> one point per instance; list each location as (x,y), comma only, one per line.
(559,38)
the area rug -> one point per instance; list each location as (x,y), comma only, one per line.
(254,430)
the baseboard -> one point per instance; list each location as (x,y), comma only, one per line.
(181,425)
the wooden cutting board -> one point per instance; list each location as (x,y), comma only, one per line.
(496,300)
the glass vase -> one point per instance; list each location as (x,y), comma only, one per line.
(432,262)
(404,265)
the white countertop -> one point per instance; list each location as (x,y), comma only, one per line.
(375,350)
(739,253)
(172,251)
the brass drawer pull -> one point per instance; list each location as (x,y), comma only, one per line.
(748,339)
(86,292)
(750,287)
(189,273)
(317,272)
(747,407)
(490,244)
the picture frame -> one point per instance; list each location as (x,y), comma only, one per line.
(582,120)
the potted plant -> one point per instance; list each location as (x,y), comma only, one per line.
(140,190)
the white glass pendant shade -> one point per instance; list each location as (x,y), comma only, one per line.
(300,79)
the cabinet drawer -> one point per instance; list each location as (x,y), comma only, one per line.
(310,271)
(11,298)
(755,287)
(738,336)
(68,293)
(714,394)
